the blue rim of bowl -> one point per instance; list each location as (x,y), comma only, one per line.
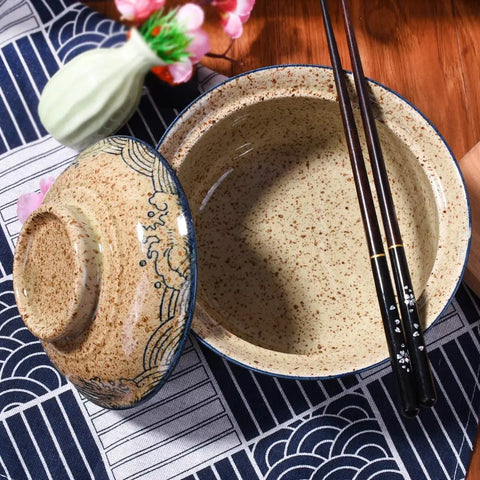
(455,163)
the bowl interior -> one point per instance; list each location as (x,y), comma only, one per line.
(284,274)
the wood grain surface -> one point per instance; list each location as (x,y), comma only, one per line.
(426,50)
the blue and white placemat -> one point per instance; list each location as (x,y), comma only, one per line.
(213,419)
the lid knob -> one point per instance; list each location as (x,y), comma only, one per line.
(57,272)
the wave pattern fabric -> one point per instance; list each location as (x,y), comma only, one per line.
(212,419)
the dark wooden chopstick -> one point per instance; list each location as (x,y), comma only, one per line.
(392,323)
(405,294)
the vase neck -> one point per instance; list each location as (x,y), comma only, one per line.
(138,53)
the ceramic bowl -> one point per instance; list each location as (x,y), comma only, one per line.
(105,272)
(285,285)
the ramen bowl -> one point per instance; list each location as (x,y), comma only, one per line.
(285,285)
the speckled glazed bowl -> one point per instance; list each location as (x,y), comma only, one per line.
(105,272)
(285,285)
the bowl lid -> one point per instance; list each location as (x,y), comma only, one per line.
(105,271)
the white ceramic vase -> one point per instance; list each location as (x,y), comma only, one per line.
(96,93)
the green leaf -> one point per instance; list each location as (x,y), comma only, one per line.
(166,37)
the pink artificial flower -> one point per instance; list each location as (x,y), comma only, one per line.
(29,202)
(138,10)
(233,14)
(191,17)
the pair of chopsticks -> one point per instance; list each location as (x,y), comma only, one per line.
(406,344)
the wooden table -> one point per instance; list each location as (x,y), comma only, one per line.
(426,50)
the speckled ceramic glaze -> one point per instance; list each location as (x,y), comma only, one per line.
(105,271)
(285,284)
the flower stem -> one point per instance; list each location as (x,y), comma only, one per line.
(224,54)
